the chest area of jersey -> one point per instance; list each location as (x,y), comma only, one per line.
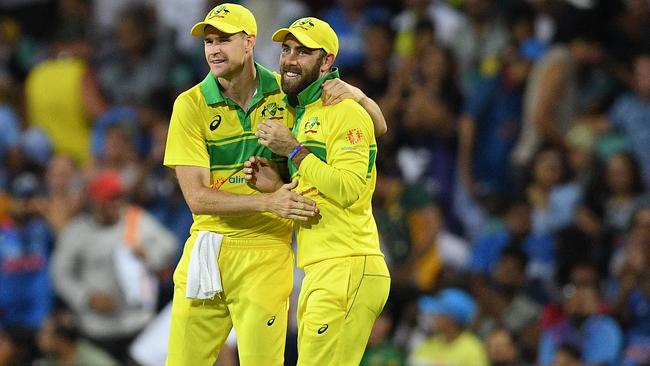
(308,129)
(230,133)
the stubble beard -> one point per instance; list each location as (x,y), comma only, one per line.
(294,87)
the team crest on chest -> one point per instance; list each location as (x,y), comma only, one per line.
(272,111)
(312,125)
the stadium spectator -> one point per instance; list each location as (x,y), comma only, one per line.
(105,263)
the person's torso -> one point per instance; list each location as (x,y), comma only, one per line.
(337,231)
(55,103)
(229,134)
(466,350)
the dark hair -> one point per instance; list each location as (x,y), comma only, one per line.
(516,253)
(518,12)
(567,173)
(600,187)
(425,25)
(384,26)
(571,350)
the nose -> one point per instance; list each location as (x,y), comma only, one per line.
(214,49)
(291,58)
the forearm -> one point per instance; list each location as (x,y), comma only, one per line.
(341,186)
(67,285)
(378,120)
(467,135)
(208,201)
(548,131)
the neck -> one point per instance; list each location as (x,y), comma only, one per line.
(241,87)
(67,355)
(450,334)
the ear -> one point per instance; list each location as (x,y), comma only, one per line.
(328,61)
(250,42)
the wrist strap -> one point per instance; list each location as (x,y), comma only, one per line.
(294,151)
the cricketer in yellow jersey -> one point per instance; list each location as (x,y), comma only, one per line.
(332,150)
(240,238)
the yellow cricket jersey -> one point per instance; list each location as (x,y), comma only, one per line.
(339,175)
(210,130)
(53,93)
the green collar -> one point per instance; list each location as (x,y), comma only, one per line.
(212,91)
(315,89)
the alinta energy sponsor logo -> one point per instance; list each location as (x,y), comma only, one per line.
(303,23)
(219,12)
(271,110)
(312,125)
(218,182)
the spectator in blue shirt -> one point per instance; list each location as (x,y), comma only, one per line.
(597,337)
(25,246)
(630,114)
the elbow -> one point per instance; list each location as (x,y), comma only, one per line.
(381,130)
(195,206)
(350,196)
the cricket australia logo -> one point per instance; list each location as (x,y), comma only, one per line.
(219,12)
(303,23)
(312,125)
(270,110)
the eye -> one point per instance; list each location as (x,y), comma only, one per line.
(285,50)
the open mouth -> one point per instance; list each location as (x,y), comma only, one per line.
(291,74)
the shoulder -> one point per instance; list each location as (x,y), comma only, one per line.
(603,323)
(78,226)
(191,95)
(347,109)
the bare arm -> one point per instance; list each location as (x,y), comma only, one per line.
(466,139)
(335,90)
(550,94)
(93,99)
(204,200)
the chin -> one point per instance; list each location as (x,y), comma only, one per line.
(219,71)
(291,87)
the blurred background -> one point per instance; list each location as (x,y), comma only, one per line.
(512,193)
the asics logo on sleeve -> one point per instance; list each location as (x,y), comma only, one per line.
(271,321)
(215,122)
(322,329)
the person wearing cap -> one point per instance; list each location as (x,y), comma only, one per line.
(105,265)
(211,134)
(452,312)
(332,151)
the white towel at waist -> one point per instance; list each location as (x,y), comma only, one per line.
(203,276)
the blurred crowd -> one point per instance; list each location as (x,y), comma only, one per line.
(512,194)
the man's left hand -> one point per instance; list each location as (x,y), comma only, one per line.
(276,137)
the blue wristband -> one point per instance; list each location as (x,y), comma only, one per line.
(294,151)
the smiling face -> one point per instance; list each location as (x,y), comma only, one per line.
(300,66)
(226,53)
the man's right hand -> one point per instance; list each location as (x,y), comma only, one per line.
(102,303)
(290,205)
